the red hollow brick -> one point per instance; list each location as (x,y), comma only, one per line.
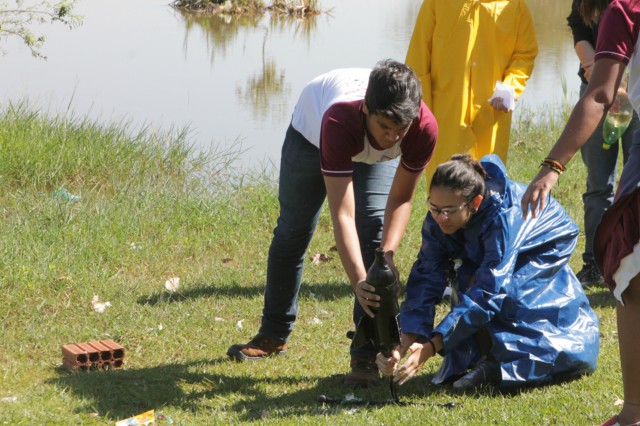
(118,351)
(73,352)
(72,366)
(94,355)
(105,353)
(76,361)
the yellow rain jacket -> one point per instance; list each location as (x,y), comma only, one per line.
(459,49)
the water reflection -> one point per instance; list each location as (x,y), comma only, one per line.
(220,32)
(265,91)
(554,76)
(302,27)
(262,88)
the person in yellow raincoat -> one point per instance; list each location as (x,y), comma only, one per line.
(459,49)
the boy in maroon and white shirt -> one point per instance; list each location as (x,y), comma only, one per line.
(360,138)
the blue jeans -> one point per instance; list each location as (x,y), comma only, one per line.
(301,195)
(630,178)
(601,178)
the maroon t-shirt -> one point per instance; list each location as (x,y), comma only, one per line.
(618,30)
(618,37)
(343,140)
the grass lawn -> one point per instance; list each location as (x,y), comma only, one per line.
(150,208)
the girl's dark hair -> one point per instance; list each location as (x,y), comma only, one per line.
(590,10)
(461,174)
(393,92)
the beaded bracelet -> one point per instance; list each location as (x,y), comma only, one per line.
(551,167)
(433,346)
(554,165)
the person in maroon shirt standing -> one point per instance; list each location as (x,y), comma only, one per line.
(617,240)
(602,170)
(360,138)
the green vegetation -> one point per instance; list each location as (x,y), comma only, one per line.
(297,8)
(150,209)
(18,17)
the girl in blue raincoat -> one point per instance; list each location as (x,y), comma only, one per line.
(521,316)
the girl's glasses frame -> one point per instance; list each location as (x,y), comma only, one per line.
(445,211)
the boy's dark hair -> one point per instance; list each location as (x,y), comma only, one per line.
(393,92)
(461,173)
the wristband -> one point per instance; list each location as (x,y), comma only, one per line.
(422,339)
(433,346)
(553,165)
(556,163)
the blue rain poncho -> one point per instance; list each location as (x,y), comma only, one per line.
(514,278)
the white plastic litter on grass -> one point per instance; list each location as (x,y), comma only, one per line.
(160,328)
(99,306)
(172,284)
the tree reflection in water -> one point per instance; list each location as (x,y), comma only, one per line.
(266,89)
(220,31)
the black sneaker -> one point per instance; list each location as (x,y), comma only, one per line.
(589,274)
(485,373)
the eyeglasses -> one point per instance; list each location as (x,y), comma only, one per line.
(447,211)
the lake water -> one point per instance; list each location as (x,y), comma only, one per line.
(233,83)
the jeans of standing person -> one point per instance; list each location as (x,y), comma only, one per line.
(601,178)
(301,195)
(631,171)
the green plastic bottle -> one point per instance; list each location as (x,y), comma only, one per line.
(618,117)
